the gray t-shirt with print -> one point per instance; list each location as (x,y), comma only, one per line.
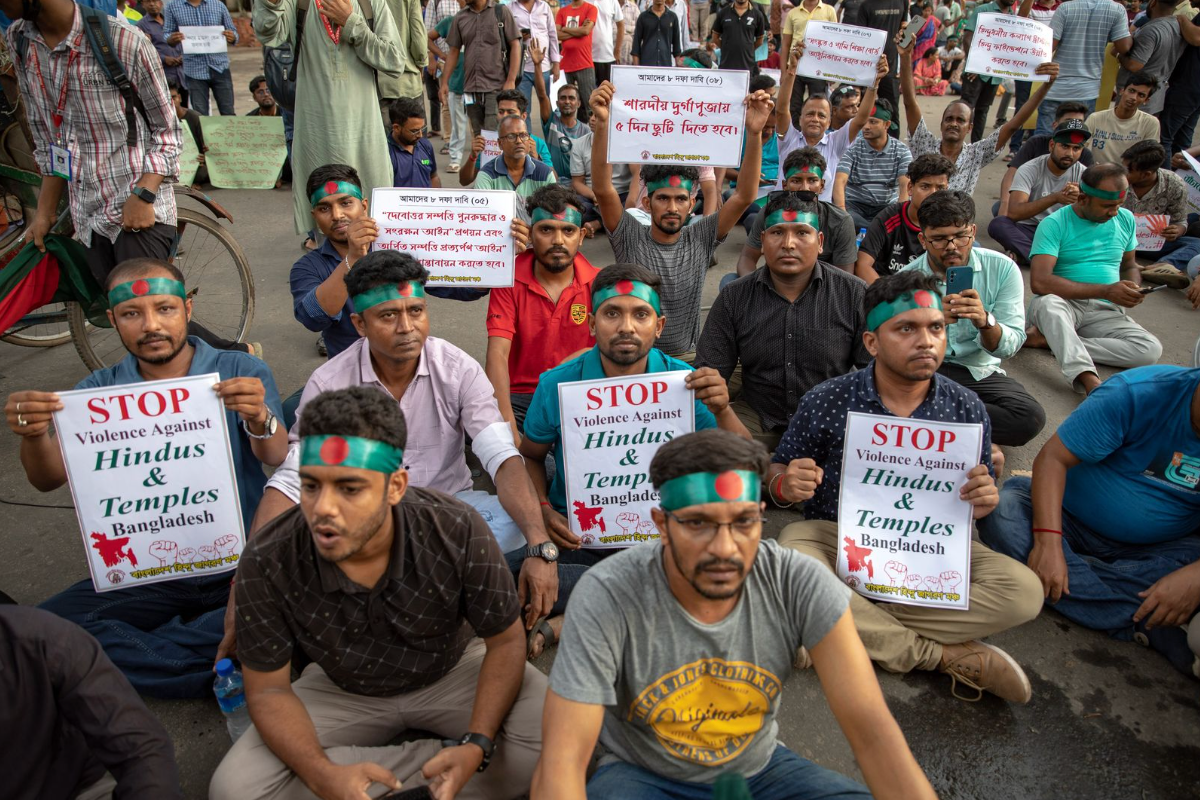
(683,699)
(1035,177)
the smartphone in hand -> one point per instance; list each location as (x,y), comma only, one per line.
(959,279)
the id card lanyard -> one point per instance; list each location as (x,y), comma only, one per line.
(60,156)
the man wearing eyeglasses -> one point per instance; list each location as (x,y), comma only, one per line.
(985,323)
(515,170)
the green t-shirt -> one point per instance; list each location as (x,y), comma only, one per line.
(1087,252)
(456,77)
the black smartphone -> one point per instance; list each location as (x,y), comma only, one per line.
(1151,289)
(959,279)
(419,793)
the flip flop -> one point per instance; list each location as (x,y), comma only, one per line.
(548,637)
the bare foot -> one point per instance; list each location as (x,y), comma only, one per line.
(997,460)
(1034,338)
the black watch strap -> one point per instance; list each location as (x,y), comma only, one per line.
(478,739)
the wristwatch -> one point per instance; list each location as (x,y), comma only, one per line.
(479,740)
(990,322)
(271,424)
(142,193)
(545,550)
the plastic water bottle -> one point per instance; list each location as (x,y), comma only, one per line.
(231,698)
(862,234)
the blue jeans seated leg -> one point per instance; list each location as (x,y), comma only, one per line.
(162,636)
(571,566)
(787,776)
(1103,576)
(1177,253)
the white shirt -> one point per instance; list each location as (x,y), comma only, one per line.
(608,14)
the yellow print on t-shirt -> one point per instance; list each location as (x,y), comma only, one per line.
(708,711)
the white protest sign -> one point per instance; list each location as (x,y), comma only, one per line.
(611,428)
(663,115)
(152,475)
(491,147)
(837,52)
(1150,231)
(775,74)
(462,236)
(1191,177)
(1010,47)
(200,39)
(905,534)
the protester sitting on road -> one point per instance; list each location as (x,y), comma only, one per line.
(541,320)
(1039,145)
(698,626)
(893,237)
(844,105)
(581,180)
(625,321)
(677,252)
(265,106)
(1108,520)
(872,173)
(1116,129)
(1041,187)
(162,636)
(191,119)
(509,103)
(563,127)
(75,727)
(514,169)
(413,162)
(1083,279)
(804,172)
(906,335)
(984,323)
(764,321)
(1154,190)
(406,655)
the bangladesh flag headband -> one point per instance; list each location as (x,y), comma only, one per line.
(812,168)
(881,113)
(784,216)
(334,187)
(404,290)
(1103,194)
(145,286)
(350,451)
(568,214)
(734,486)
(669,182)
(636,289)
(921,298)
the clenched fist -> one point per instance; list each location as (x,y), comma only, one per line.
(800,481)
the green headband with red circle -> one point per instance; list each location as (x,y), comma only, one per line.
(143,287)
(881,113)
(922,298)
(334,187)
(669,182)
(350,451)
(787,216)
(404,290)
(698,488)
(623,288)
(803,168)
(1103,194)
(568,215)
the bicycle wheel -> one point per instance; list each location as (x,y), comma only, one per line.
(47,326)
(218,278)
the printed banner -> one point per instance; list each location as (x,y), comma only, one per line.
(462,236)
(243,152)
(1010,47)
(1191,177)
(836,52)
(905,534)
(664,115)
(200,39)
(1149,231)
(611,428)
(152,476)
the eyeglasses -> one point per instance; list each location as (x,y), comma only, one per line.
(942,242)
(513,138)
(703,530)
(417,131)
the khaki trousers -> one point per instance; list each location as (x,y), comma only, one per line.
(354,728)
(900,638)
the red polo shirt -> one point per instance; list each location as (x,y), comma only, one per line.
(543,333)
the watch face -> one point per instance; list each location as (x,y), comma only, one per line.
(550,550)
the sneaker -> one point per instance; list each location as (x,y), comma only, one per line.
(452,168)
(321,349)
(1193,639)
(985,668)
(1166,275)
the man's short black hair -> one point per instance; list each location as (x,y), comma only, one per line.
(1097,174)
(625,272)
(658,172)
(571,86)
(381,267)
(712,450)
(889,287)
(700,56)
(945,209)
(173,86)
(1069,107)
(255,81)
(1141,79)
(1144,155)
(404,109)
(928,166)
(761,82)
(134,268)
(553,198)
(787,201)
(804,157)
(363,411)
(840,95)
(515,96)
(331,172)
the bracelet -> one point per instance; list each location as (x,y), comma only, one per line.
(545,502)
(772,490)
(1047,530)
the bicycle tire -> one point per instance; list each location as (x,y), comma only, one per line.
(30,340)
(187,217)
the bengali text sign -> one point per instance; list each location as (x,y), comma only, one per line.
(837,52)
(189,156)
(664,115)
(611,428)
(152,475)
(462,236)
(904,534)
(491,147)
(1191,177)
(1010,47)
(201,39)
(243,152)
(1150,229)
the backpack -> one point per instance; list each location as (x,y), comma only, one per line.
(99,39)
(280,64)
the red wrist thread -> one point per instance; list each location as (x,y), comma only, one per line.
(1047,530)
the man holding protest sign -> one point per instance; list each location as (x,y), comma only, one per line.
(515,169)
(625,321)
(207,70)
(138,627)
(509,103)
(700,627)
(1157,191)
(906,334)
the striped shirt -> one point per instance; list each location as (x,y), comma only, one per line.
(1083,29)
(94,128)
(874,174)
(210,12)
(494,175)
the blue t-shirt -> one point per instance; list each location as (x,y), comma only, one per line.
(251,480)
(412,170)
(543,423)
(1139,476)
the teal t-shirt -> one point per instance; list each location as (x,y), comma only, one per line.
(1087,252)
(456,77)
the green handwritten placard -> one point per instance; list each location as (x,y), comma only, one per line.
(189,156)
(244,152)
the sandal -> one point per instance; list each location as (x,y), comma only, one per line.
(445,150)
(548,637)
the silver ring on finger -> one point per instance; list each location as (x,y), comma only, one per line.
(21,421)
(19,406)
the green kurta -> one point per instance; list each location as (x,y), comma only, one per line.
(409,18)
(337,105)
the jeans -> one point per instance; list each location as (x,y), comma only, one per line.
(787,776)
(162,636)
(221,84)
(1103,576)
(526,87)
(571,566)
(458,130)
(1177,253)
(1047,109)
(585,81)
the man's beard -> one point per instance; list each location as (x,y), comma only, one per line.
(161,359)
(625,359)
(693,579)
